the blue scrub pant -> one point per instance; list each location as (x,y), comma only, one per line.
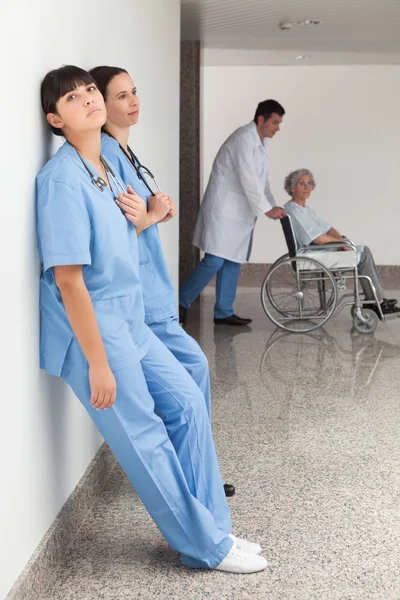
(160,433)
(187,351)
(227,277)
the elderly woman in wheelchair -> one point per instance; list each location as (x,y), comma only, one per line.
(301,290)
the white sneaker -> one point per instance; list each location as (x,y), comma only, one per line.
(245,545)
(240,561)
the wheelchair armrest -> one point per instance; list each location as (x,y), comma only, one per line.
(350,243)
(345,244)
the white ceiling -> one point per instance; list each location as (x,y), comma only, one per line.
(351,32)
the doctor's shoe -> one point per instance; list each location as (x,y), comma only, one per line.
(229,490)
(249,547)
(232,320)
(240,561)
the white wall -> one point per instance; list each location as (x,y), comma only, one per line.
(342,122)
(47,441)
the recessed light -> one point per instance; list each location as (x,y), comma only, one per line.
(308,23)
(287,25)
(301,57)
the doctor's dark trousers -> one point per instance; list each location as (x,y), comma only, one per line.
(227,273)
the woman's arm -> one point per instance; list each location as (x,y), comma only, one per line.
(82,317)
(335,234)
(326,238)
(172,212)
(331,237)
(134,209)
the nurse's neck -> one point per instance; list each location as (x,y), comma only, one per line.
(88,145)
(121,134)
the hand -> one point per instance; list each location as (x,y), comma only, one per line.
(345,248)
(276,213)
(103,386)
(159,206)
(133,207)
(171,214)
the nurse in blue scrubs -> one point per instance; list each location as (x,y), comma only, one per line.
(123,105)
(93,335)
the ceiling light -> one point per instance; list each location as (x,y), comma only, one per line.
(287,25)
(301,57)
(308,22)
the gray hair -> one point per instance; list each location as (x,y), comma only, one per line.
(293,177)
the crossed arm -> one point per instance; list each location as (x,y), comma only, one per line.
(160,209)
(331,236)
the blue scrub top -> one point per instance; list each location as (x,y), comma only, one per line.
(77,224)
(158,290)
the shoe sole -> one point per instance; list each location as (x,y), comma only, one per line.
(239,571)
(232,324)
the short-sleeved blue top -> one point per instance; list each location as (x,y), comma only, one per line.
(158,290)
(77,224)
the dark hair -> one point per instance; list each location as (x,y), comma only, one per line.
(267,108)
(59,82)
(103,76)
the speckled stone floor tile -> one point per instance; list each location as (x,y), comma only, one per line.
(307,427)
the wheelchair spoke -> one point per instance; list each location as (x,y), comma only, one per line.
(296,291)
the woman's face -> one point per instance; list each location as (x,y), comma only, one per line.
(303,188)
(79,111)
(122,101)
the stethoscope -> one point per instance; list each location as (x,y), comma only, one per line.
(141,171)
(99,182)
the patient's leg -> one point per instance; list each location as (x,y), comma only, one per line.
(367,267)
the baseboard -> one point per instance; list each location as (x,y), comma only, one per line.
(38,573)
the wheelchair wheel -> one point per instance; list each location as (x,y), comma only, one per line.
(353,310)
(368,324)
(299,294)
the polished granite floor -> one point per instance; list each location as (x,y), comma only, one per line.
(308,429)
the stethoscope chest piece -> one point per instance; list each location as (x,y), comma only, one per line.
(99,183)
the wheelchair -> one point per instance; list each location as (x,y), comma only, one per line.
(303,288)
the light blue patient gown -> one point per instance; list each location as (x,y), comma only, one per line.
(158,428)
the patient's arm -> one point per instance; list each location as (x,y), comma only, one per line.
(327,238)
(335,234)
(331,236)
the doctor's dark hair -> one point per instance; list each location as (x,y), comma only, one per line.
(103,76)
(267,108)
(59,82)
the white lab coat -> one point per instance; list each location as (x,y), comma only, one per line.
(237,193)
